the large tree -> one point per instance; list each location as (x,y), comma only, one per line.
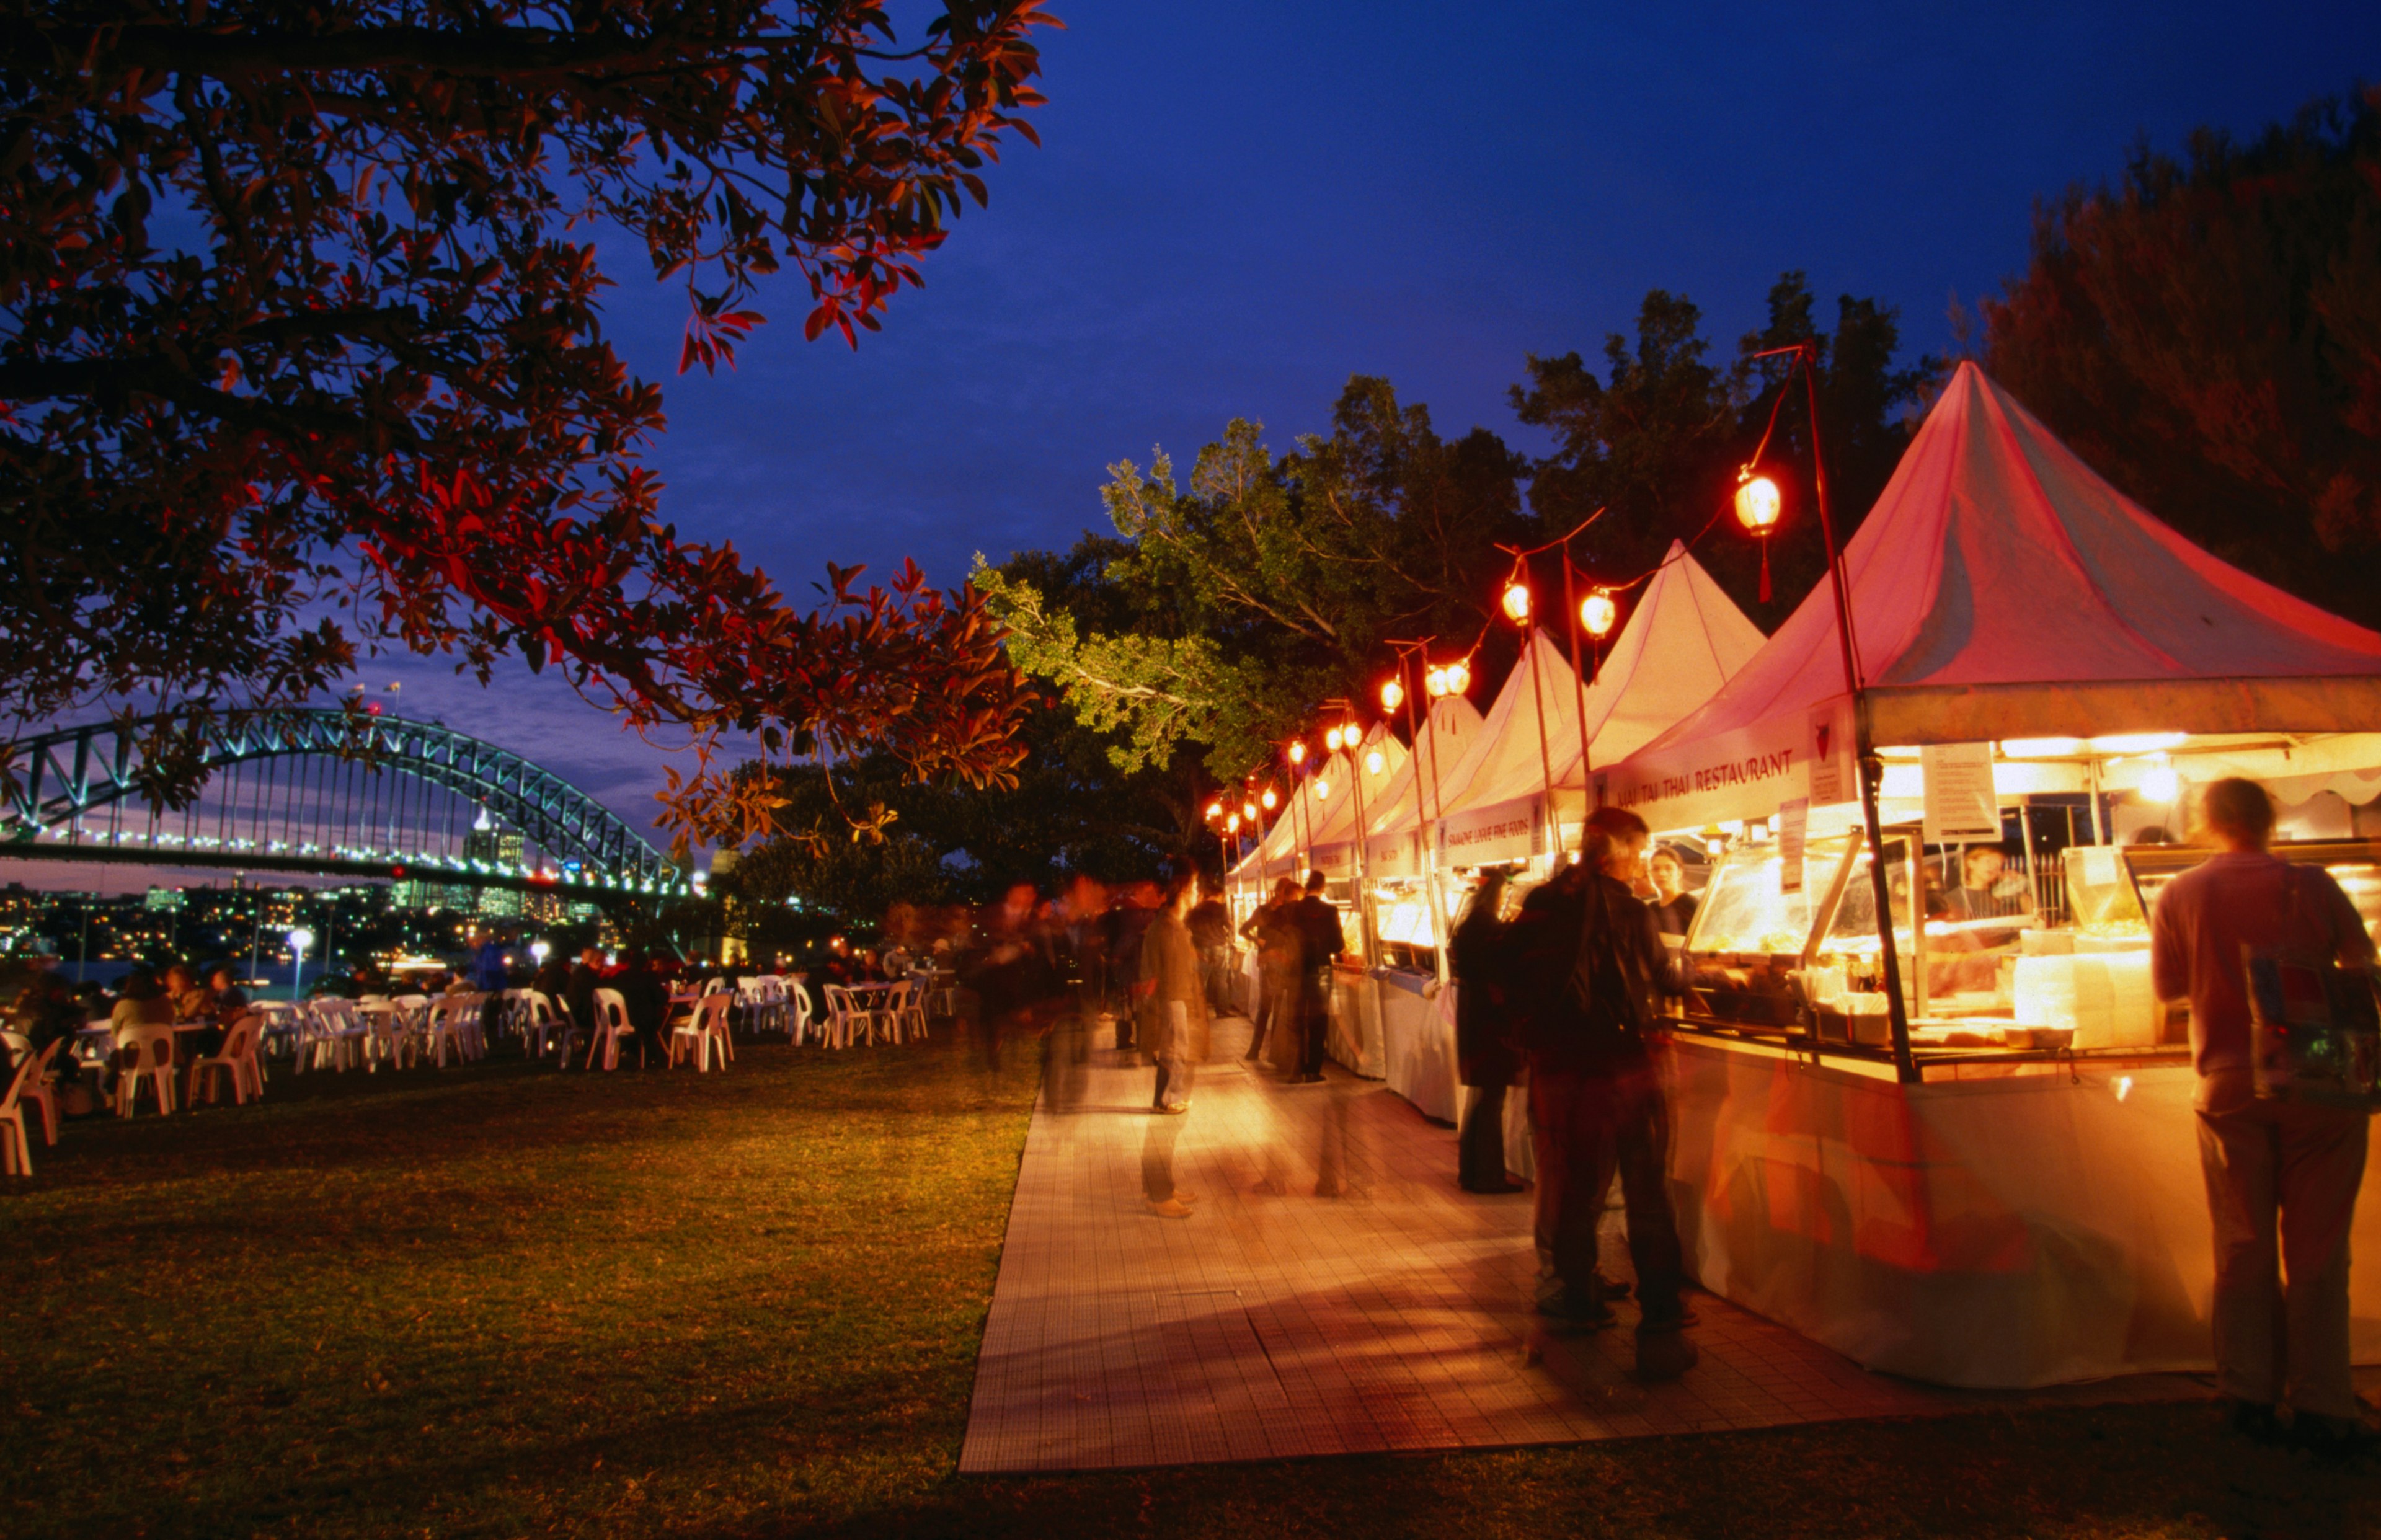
(2206,331)
(1652,449)
(302,347)
(1223,611)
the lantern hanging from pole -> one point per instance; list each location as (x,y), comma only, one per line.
(1375,762)
(1392,695)
(1269,799)
(1596,613)
(1249,811)
(1757,504)
(1517,603)
(1322,789)
(1297,751)
(1215,810)
(1458,676)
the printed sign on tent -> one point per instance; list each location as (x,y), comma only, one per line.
(1830,746)
(1959,800)
(1510,830)
(1793,832)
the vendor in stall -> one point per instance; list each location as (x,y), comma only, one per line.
(1988,890)
(1673,906)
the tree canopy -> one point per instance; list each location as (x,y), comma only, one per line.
(302,347)
(2206,332)
(1219,615)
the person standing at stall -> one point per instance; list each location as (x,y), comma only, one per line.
(1674,907)
(1594,961)
(1276,939)
(1482,1055)
(1321,940)
(2281,1175)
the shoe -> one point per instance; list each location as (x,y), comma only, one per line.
(2332,1440)
(1172,1208)
(1488,1188)
(1655,1326)
(2252,1420)
(1271,1188)
(1664,1356)
(1184,1195)
(1569,1308)
(1315,1078)
(1328,1190)
(1176,1110)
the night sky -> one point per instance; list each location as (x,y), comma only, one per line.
(1239,205)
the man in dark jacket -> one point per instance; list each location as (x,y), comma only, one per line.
(1322,940)
(579,997)
(1593,960)
(1484,1055)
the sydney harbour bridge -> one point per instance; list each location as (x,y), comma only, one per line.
(328,792)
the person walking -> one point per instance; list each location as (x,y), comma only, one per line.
(1321,940)
(1594,961)
(1484,1056)
(2281,1175)
(1128,922)
(1169,965)
(1211,932)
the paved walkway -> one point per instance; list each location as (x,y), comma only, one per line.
(1391,1315)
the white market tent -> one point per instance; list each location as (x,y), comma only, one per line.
(1330,836)
(1683,641)
(2002,589)
(1392,837)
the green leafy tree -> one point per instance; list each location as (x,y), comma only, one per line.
(1224,611)
(2206,332)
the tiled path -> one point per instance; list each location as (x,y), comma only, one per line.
(1393,1316)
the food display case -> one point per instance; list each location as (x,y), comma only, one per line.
(2065,968)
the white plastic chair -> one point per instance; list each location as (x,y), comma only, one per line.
(144,1053)
(697,1035)
(451,1022)
(39,1091)
(798,1007)
(611,1026)
(16,1150)
(846,1017)
(545,1022)
(909,1006)
(241,1045)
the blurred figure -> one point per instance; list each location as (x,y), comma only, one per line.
(491,970)
(47,1012)
(1484,1056)
(1321,940)
(224,1003)
(1005,971)
(1128,922)
(1275,934)
(1170,964)
(1211,932)
(578,996)
(1165,1200)
(646,996)
(1087,910)
(188,996)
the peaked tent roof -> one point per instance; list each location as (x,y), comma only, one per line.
(1684,639)
(1451,727)
(2001,589)
(1334,816)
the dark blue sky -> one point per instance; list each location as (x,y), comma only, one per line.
(1237,205)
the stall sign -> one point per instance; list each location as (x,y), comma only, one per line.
(1335,860)
(1793,833)
(1511,830)
(1959,799)
(1394,855)
(1828,751)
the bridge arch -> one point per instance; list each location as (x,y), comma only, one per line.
(61,776)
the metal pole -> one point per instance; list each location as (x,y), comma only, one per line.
(1430,854)
(1570,619)
(1546,758)
(1872,768)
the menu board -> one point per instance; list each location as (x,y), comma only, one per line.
(1959,799)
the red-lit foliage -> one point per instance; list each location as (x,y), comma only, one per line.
(299,315)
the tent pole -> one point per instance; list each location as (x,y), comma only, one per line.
(1546,758)
(1369,990)
(1578,682)
(1872,768)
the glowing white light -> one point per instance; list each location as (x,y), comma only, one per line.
(2040,748)
(2136,743)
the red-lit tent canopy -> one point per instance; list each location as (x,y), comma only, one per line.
(2001,589)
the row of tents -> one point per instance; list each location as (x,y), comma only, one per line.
(2000,589)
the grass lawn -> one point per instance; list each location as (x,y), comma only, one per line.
(505,1301)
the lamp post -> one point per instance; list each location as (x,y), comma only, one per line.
(1757,507)
(1516,608)
(299,939)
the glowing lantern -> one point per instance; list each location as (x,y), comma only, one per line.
(1331,738)
(1269,799)
(1215,810)
(1322,789)
(1249,811)
(1376,762)
(1458,678)
(1517,604)
(1757,504)
(1297,751)
(1393,695)
(1597,612)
